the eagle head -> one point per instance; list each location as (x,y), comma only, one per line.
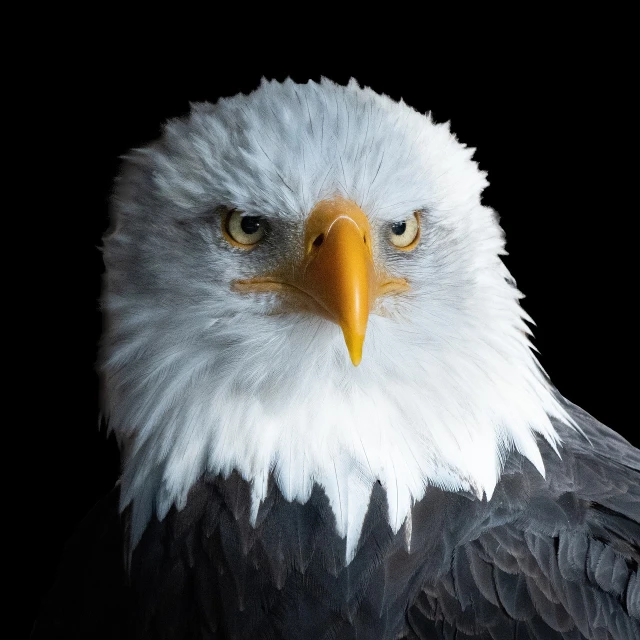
(303,284)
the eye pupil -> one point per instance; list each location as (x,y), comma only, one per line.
(250,224)
(243,231)
(405,233)
(398,228)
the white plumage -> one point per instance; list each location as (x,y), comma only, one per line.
(200,378)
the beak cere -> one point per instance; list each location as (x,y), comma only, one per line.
(338,270)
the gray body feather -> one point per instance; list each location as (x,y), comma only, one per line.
(547,557)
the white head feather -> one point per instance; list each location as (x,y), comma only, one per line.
(200,378)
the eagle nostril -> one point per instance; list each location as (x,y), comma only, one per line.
(319,240)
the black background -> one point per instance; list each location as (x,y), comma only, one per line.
(551,121)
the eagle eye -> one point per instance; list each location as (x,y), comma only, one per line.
(242,230)
(405,233)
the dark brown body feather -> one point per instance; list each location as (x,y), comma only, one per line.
(545,558)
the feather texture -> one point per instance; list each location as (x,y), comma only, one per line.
(477,569)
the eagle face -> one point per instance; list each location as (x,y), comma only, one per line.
(303,283)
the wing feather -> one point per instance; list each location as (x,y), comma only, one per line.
(555,557)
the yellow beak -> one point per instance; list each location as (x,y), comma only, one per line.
(336,273)
(338,270)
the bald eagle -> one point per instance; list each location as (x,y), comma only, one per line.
(331,421)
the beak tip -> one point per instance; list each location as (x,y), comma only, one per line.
(354,346)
